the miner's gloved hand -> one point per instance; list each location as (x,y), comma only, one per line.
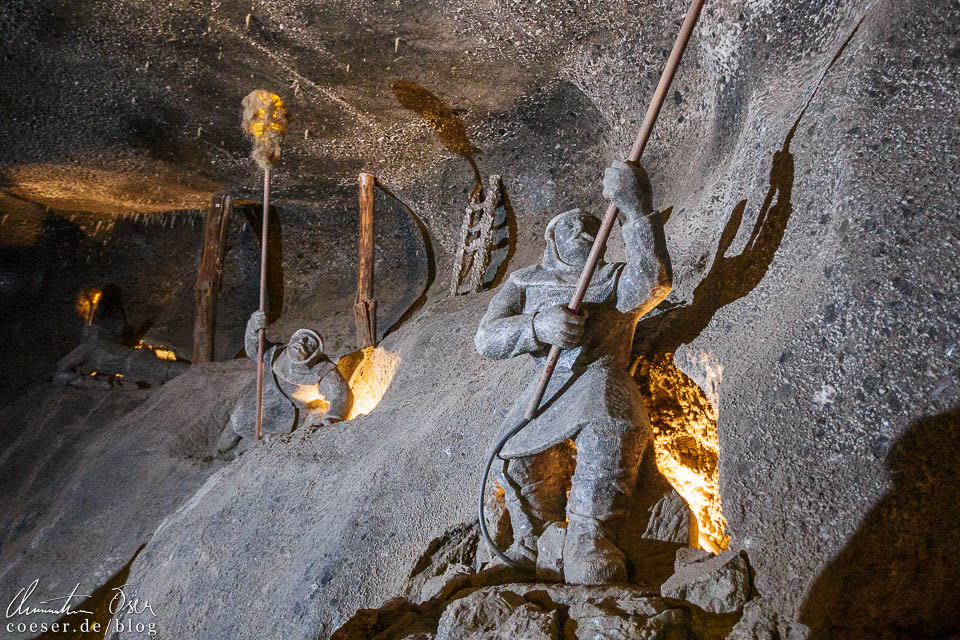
(257,321)
(560,326)
(627,186)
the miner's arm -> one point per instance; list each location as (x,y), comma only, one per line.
(505,331)
(647,277)
(334,389)
(257,321)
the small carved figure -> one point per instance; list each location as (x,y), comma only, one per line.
(100,352)
(296,370)
(592,412)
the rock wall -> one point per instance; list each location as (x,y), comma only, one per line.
(89,473)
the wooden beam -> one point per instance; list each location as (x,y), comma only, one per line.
(215,226)
(365,307)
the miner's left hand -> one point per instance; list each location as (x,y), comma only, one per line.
(627,186)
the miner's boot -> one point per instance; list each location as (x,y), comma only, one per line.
(595,508)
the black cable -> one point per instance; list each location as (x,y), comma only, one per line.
(483,490)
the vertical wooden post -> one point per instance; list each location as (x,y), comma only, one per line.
(215,226)
(365,307)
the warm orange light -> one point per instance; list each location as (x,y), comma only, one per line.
(160,352)
(164,354)
(87,301)
(267,114)
(370,378)
(265,121)
(309,395)
(686,447)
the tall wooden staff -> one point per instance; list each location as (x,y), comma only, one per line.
(265,121)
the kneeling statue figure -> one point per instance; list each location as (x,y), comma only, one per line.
(293,371)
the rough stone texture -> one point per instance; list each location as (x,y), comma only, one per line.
(497,615)
(349,493)
(689,555)
(657,527)
(761,622)
(443,586)
(89,474)
(441,562)
(720,584)
(542,611)
(812,227)
(550,553)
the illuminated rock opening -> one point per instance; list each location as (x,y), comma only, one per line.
(311,397)
(368,372)
(684,421)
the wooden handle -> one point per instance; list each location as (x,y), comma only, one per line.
(263,296)
(365,308)
(600,242)
(365,256)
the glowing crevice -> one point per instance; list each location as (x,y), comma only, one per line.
(686,447)
(368,372)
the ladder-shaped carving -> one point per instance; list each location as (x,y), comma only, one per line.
(476,238)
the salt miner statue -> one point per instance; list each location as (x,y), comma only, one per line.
(592,428)
(100,351)
(302,387)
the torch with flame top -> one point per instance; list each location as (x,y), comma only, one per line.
(87,303)
(265,121)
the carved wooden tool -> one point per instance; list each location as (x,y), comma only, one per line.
(599,244)
(365,307)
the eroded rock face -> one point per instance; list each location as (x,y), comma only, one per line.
(541,612)
(719,584)
(497,615)
(761,622)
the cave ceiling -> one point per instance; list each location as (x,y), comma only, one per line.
(135,106)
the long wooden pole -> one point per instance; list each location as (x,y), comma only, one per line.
(599,244)
(263,296)
(209,276)
(365,307)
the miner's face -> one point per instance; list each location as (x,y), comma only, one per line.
(575,236)
(302,346)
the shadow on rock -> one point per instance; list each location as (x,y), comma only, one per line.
(730,277)
(431,265)
(441,118)
(99,603)
(899,575)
